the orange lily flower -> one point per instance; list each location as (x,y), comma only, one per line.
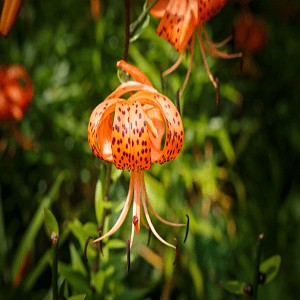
(16,92)
(129,133)
(180,19)
(10,11)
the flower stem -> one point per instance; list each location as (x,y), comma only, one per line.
(127,30)
(257,263)
(55,239)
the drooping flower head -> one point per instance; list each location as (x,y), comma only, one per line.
(132,134)
(180,19)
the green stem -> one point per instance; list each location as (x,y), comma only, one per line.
(127,30)
(54,266)
(107,182)
(141,18)
(106,185)
(257,264)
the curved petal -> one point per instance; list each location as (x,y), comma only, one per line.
(208,9)
(178,23)
(135,72)
(159,9)
(158,122)
(130,86)
(100,128)
(174,128)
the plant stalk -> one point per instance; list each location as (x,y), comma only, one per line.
(257,264)
(55,239)
(127,30)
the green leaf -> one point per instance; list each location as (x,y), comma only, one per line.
(270,267)
(156,193)
(99,209)
(51,222)
(63,290)
(234,287)
(140,29)
(75,279)
(197,278)
(97,280)
(34,227)
(82,232)
(76,260)
(116,244)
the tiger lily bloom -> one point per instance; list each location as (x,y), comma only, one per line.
(10,11)
(180,20)
(16,92)
(129,133)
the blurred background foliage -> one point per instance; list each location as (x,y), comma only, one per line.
(237,176)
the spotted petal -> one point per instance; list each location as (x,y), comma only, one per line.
(178,22)
(130,139)
(100,129)
(174,128)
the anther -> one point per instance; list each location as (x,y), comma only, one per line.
(187,228)
(135,220)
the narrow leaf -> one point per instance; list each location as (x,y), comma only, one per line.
(234,287)
(270,267)
(32,230)
(99,209)
(51,222)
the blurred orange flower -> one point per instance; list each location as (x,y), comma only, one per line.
(16,92)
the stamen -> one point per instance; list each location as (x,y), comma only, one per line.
(174,67)
(122,216)
(202,48)
(85,247)
(212,47)
(187,228)
(128,255)
(188,73)
(157,215)
(151,225)
(176,251)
